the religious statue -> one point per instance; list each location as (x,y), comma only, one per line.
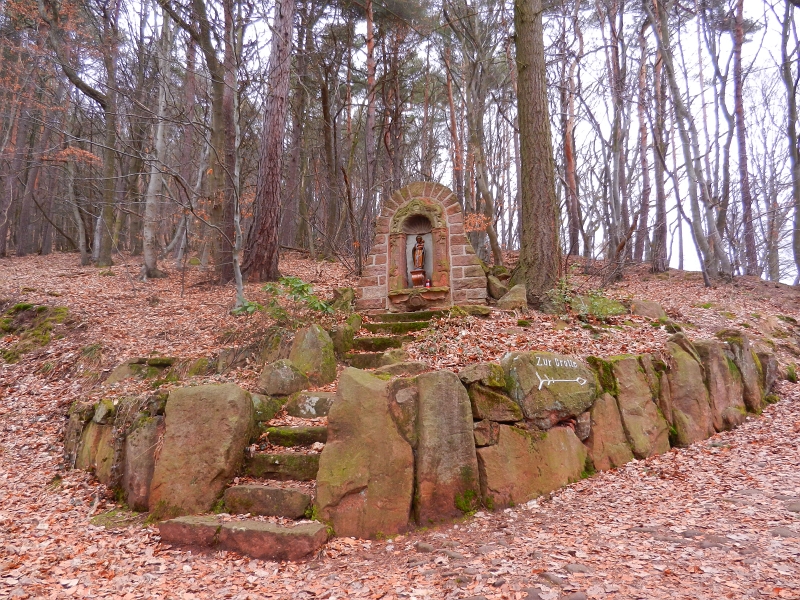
(418,259)
(418,254)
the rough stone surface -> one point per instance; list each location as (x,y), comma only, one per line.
(524,465)
(140,462)
(607,445)
(310,405)
(583,425)
(283,467)
(488,374)
(490,404)
(265,500)
(407,368)
(769,369)
(312,353)
(96,451)
(403,399)
(207,429)
(724,383)
(189,531)
(446,465)
(645,428)
(497,289)
(268,541)
(486,433)
(691,411)
(366,471)
(741,352)
(281,378)
(533,379)
(80,413)
(296,435)
(266,407)
(515,298)
(648,308)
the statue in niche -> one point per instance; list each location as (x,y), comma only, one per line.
(418,258)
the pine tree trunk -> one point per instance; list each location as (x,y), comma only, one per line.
(540,253)
(261,258)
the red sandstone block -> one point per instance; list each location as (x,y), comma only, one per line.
(457,272)
(366,282)
(453,209)
(457,251)
(380,259)
(469,283)
(464,261)
(378,249)
(377,291)
(370,303)
(474,271)
(459,296)
(459,238)
(456,228)
(476,294)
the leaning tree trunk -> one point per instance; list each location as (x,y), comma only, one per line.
(540,253)
(261,259)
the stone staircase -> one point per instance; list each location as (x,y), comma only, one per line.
(391,331)
(277,481)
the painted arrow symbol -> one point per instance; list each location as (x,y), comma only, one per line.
(548,380)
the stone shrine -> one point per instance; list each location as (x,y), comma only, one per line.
(421,258)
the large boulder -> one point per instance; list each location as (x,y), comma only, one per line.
(206,430)
(607,445)
(487,373)
(140,460)
(724,383)
(549,387)
(310,405)
(312,353)
(645,428)
(524,465)
(282,378)
(648,308)
(691,410)
(492,405)
(740,351)
(446,465)
(515,298)
(496,288)
(366,471)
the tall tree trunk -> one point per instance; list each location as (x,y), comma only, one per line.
(790,84)
(751,255)
(644,204)
(155,183)
(540,252)
(261,259)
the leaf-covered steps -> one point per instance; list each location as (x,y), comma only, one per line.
(258,539)
(266,500)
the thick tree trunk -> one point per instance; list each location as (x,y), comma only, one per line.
(261,259)
(789,83)
(540,252)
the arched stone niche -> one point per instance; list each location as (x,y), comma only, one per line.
(455,275)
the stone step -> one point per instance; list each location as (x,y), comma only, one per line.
(422,315)
(267,501)
(249,537)
(379,343)
(396,328)
(283,467)
(310,405)
(364,360)
(290,436)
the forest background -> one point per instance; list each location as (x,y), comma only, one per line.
(159,128)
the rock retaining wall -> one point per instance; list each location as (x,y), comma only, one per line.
(538,421)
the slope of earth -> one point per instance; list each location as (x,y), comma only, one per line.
(717,520)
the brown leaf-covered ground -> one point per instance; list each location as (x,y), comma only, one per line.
(706,522)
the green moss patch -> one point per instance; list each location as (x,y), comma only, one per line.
(118,518)
(34,326)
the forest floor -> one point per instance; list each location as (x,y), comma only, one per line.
(717,520)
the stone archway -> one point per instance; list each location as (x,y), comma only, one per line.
(452,271)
